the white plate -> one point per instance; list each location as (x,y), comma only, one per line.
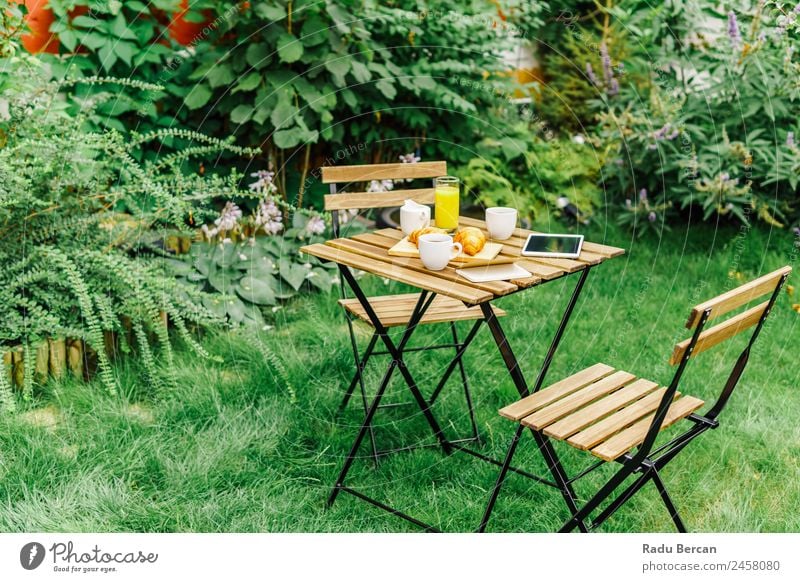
(493,273)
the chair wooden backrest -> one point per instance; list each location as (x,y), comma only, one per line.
(342,175)
(725,303)
(703,339)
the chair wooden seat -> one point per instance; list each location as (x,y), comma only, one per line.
(395,310)
(599,409)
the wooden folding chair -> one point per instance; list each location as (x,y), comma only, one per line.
(396,310)
(610,412)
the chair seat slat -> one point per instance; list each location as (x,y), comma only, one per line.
(525,406)
(561,408)
(582,418)
(635,434)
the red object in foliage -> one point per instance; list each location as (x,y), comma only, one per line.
(39,39)
(184,32)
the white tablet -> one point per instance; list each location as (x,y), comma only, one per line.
(567,246)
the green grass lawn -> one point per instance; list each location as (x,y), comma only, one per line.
(253,443)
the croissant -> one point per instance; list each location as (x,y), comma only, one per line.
(413,238)
(472,239)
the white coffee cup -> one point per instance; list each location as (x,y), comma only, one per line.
(414,216)
(501,222)
(436,250)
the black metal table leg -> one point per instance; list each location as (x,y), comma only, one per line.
(553,463)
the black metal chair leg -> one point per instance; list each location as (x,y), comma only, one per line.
(500,478)
(360,366)
(673,511)
(599,497)
(465,384)
(351,456)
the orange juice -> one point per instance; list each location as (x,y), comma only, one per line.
(446,212)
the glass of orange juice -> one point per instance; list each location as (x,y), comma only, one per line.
(446,191)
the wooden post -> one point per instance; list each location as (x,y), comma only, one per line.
(75,356)
(111,342)
(42,361)
(58,357)
(18,357)
(8,366)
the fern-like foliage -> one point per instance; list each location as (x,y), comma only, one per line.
(77,209)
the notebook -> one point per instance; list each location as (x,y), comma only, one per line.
(493,273)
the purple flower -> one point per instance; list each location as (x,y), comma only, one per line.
(380,186)
(613,88)
(605,58)
(652,216)
(790,139)
(411,158)
(591,75)
(268,216)
(315,225)
(797,9)
(733,29)
(643,195)
(264,182)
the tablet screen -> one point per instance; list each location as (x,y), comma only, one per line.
(553,243)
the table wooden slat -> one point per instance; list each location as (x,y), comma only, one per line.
(592,247)
(394,271)
(387,237)
(449,273)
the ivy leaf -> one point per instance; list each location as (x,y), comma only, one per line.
(284,114)
(242,113)
(387,88)
(94,40)
(236,309)
(107,56)
(258,55)
(338,67)
(314,31)
(270,12)
(69,39)
(289,48)
(287,138)
(256,290)
(248,82)
(84,21)
(220,75)
(360,71)
(199,96)
(125,51)
(121,29)
(293,274)
(321,279)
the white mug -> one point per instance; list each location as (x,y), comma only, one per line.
(501,222)
(436,250)
(414,217)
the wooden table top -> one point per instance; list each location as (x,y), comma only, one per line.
(369,252)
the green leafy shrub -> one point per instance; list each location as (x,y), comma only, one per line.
(249,263)
(531,170)
(695,103)
(308,82)
(79,218)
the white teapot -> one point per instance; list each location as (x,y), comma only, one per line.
(414,216)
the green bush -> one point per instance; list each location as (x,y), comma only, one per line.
(80,220)
(310,81)
(696,104)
